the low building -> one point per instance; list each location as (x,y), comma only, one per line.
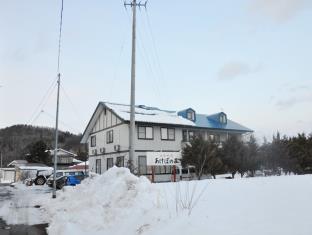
(30,170)
(157,131)
(7,175)
(16,163)
(65,158)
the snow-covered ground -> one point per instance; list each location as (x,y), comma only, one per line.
(120,203)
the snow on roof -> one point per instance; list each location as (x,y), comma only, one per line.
(17,163)
(61,152)
(148,114)
(42,168)
(75,160)
(83,163)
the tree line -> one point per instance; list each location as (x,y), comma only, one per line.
(18,141)
(282,155)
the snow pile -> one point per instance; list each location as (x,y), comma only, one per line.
(116,202)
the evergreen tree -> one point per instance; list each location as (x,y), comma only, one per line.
(202,154)
(38,153)
(252,155)
(233,153)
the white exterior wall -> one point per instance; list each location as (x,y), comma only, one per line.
(120,137)
(92,160)
(157,144)
(108,122)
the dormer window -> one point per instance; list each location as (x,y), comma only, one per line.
(223,119)
(191,115)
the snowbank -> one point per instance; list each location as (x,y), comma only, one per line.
(116,202)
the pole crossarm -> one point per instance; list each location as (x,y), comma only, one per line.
(133,3)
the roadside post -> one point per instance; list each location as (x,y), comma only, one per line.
(174,173)
(153,174)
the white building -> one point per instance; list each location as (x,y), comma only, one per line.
(107,134)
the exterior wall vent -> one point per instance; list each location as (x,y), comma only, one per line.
(102,150)
(117,148)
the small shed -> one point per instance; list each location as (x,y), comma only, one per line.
(17,163)
(7,175)
(29,171)
(64,158)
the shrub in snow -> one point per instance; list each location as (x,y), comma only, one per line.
(187,196)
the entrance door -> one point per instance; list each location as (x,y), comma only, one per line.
(98,166)
(142,165)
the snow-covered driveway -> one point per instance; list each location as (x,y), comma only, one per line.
(19,204)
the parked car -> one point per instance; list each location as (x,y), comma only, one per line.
(40,179)
(66,177)
(183,173)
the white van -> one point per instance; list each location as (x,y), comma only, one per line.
(183,173)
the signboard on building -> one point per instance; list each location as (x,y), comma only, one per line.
(163,158)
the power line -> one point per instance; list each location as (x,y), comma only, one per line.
(146,60)
(117,63)
(154,45)
(43,101)
(52,117)
(74,108)
(36,118)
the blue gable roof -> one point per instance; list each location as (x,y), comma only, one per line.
(213,121)
(183,113)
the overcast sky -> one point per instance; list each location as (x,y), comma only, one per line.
(249,58)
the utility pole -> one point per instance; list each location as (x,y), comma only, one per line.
(57,103)
(134,5)
(1,159)
(56,135)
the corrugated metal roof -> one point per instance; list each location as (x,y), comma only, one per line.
(149,114)
(155,115)
(205,121)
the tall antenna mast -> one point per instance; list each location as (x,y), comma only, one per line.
(57,104)
(134,5)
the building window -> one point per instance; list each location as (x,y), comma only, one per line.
(120,161)
(93,141)
(110,162)
(142,165)
(167,133)
(190,115)
(110,137)
(184,135)
(98,166)
(145,132)
(191,135)
(222,119)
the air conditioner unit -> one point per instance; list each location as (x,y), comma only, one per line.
(117,147)
(102,150)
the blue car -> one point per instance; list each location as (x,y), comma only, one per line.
(72,180)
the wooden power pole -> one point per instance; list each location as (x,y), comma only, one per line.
(134,5)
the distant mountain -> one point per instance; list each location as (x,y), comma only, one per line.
(14,141)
